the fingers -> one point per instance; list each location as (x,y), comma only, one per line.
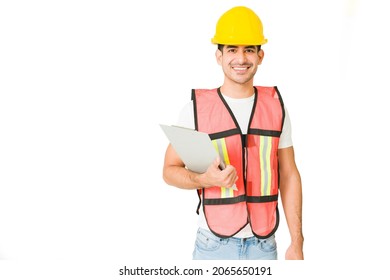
(229,176)
(217,162)
(218,176)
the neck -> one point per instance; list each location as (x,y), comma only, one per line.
(237,90)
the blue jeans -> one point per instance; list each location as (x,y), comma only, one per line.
(210,247)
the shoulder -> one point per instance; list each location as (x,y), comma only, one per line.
(196,93)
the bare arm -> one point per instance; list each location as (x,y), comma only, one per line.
(175,173)
(291,195)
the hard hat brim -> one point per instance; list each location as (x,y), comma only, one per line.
(237,43)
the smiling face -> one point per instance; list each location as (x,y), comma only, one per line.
(239,63)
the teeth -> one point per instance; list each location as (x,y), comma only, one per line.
(239,68)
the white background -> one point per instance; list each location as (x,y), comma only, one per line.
(84,85)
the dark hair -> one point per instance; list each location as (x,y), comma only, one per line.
(220,47)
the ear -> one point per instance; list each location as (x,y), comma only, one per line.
(218,56)
(261,56)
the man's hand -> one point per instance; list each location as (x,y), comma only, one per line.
(294,252)
(214,176)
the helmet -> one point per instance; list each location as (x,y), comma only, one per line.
(239,26)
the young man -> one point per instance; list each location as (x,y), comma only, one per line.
(249,125)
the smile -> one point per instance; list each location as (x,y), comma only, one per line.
(241,68)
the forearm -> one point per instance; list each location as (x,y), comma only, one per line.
(182,178)
(291,195)
(175,174)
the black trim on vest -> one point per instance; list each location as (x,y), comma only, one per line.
(244,139)
(200,200)
(224,134)
(281,129)
(260,199)
(282,104)
(241,198)
(263,132)
(253,109)
(193,97)
(221,201)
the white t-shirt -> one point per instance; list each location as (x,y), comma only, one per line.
(241,108)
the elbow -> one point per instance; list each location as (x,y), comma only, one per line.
(167,179)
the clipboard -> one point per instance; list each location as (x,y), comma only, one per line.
(193,147)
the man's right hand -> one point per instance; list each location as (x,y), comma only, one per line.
(214,176)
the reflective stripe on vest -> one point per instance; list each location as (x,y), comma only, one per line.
(254,156)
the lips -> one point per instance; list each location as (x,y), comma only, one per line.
(241,68)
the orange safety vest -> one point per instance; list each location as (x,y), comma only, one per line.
(254,156)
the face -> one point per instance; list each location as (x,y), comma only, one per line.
(239,63)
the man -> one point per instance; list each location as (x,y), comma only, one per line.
(250,128)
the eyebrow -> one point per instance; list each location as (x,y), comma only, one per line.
(234,47)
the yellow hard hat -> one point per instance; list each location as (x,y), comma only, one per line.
(239,26)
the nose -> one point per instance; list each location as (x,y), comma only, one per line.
(241,57)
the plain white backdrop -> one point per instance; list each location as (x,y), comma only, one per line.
(84,85)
